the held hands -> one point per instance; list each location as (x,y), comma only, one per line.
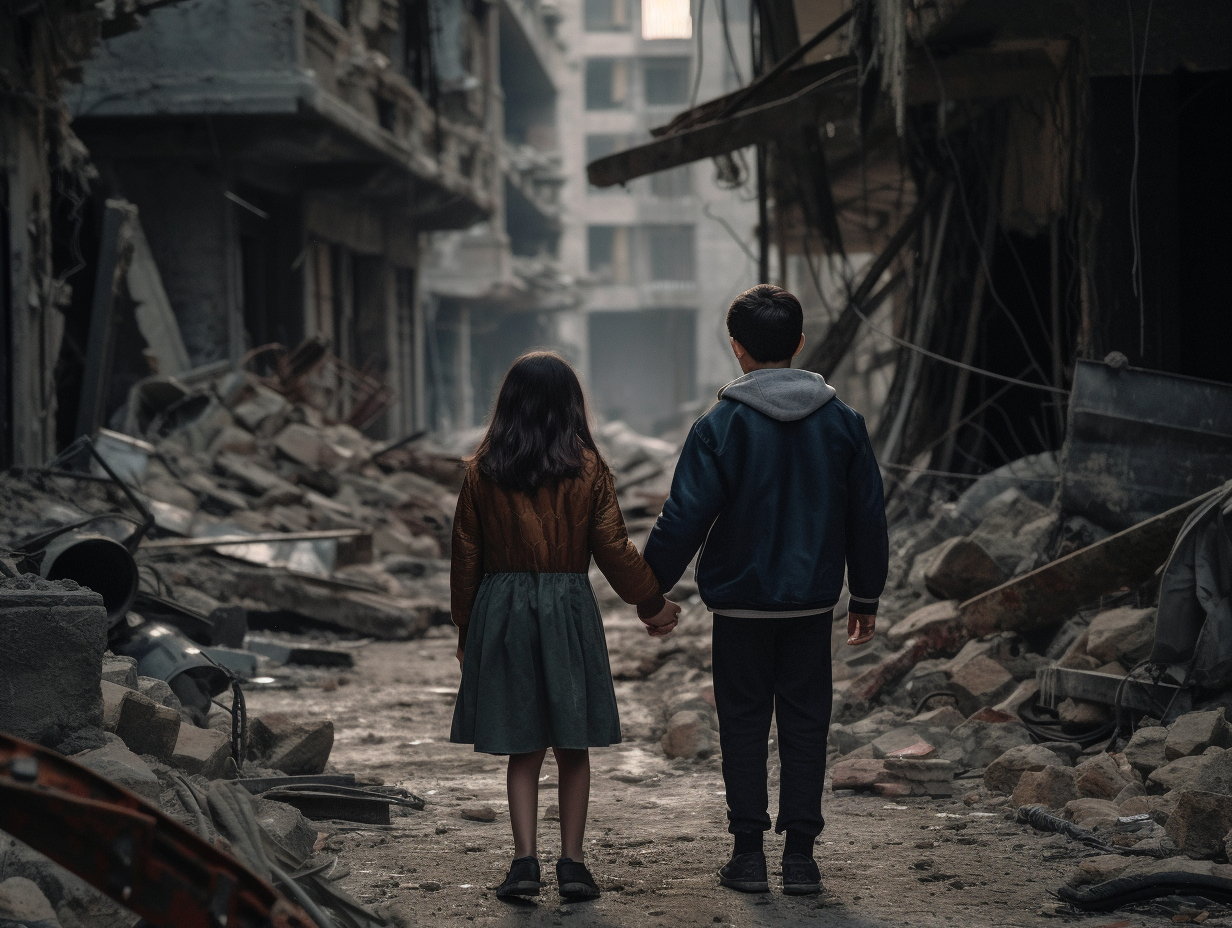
(660,625)
(860,628)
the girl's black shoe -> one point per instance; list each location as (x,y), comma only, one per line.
(800,875)
(521,880)
(746,873)
(574,881)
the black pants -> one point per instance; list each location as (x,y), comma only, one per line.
(780,667)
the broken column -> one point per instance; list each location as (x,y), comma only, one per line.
(54,635)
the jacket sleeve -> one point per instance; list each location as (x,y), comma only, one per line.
(696,499)
(616,555)
(466,565)
(868,540)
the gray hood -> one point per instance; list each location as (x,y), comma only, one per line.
(785,394)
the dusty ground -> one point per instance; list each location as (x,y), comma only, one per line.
(657,828)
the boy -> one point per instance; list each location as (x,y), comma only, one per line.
(778,485)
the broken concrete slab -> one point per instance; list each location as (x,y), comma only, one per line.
(960,568)
(146,727)
(117,763)
(120,670)
(23,905)
(1049,594)
(977,743)
(980,681)
(202,751)
(55,633)
(290,744)
(1183,772)
(889,670)
(1200,823)
(1003,774)
(286,825)
(937,623)
(1194,732)
(946,718)
(1052,787)
(858,773)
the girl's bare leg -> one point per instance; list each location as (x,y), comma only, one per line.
(522,783)
(574,768)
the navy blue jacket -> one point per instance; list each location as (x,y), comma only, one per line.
(777,484)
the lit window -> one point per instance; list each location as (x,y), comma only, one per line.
(666,19)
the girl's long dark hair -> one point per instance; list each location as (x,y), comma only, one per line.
(539,429)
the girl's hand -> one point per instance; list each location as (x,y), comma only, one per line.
(860,628)
(661,624)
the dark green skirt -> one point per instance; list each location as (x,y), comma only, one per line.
(536,671)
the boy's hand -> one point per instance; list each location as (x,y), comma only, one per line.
(860,628)
(660,625)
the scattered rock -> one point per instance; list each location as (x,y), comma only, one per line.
(1200,823)
(479,814)
(1099,777)
(1098,869)
(120,670)
(690,734)
(946,718)
(1052,787)
(118,764)
(1003,774)
(23,905)
(1124,635)
(1194,732)
(203,751)
(144,726)
(286,825)
(858,774)
(1180,773)
(1145,750)
(1081,714)
(977,743)
(980,681)
(960,569)
(1092,813)
(938,624)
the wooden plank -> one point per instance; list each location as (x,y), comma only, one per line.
(1052,593)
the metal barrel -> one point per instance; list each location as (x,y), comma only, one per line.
(95,561)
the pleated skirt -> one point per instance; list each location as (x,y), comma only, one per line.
(536,671)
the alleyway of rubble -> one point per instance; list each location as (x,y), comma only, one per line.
(657,827)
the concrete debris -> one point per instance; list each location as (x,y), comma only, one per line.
(1200,823)
(290,744)
(691,733)
(1003,774)
(23,903)
(120,765)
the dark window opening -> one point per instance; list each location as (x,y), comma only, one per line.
(607,83)
(666,81)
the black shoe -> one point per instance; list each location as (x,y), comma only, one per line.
(746,872)
(521,880)
(800,876)
(574,881)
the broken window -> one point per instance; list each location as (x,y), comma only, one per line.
(607,83)
(666,81)
(607,15)
(675,182)
(608,254)
(602,145)
(666,19)
(670,249)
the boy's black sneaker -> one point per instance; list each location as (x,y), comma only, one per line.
(521,880)
(574,881)
(800,876)
(746,873)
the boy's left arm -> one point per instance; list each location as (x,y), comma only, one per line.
(695,501)
(868,542)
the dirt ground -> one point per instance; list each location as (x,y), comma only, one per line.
(657,828)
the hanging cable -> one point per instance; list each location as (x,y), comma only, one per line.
(727,40)
(697,78)
(1135,225)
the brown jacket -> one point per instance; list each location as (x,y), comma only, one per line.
(555,531)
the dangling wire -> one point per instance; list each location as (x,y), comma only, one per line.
(697,78)
(1135,227)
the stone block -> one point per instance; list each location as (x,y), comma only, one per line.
(286,825)
(121,766)
(896,739)
(1003,774)
(938,624)
(978,743)
(293,745)
(980,681)
(961,569)
(1082,714)
(1131,791)
(689,734)
(158,691)
(1194,732)
(23,904)
(1214,775)
(203,751)
(309,446)
(54,634)
(1098,869)
(1099,777)
(920,770)
(120,670)
(1052,787)
(1024,693)
(1145,750)
(946,718)
(1200,823)
(262,404)
(1091,813)
(1124,635)
(146,727)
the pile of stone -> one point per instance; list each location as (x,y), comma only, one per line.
(66,692)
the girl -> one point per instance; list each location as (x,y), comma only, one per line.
(537,503)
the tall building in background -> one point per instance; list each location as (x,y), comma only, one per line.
(659,260)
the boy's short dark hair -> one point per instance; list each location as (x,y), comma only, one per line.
(768,321)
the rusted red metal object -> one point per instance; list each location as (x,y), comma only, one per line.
(128,849)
